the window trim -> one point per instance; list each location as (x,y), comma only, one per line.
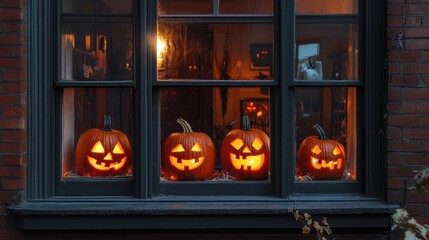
(42,207)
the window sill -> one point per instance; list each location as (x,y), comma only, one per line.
(185,215)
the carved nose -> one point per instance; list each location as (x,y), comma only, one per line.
(246,150)
(108,157)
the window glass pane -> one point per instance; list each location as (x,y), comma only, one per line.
(334,110)
(97,6)
(225,152)
(246,6)
(215,51)
(327,7)
(327,51)
(97,51)
(106,149)
(185,7)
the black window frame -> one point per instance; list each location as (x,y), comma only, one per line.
(43,204)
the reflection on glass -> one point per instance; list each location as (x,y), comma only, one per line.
(246,7)
(214,112)
(327,51)
(185,7)
(97,6)
(327,7)
(106,149)
(326,133)
(215,51)
(97,51)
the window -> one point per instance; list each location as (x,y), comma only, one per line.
(211,99)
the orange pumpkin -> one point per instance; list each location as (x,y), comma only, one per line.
(188,155)
(103,152)
(321,157)
(245,152)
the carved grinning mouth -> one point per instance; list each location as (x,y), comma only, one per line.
(105,166)
(186,164)
(330,164)
(247,163)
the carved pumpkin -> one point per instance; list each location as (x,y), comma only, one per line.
(245,152)
(103,152)
(321,157)
(188,155)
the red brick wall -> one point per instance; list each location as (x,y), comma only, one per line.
(408,101)
(13,107)
(408,105)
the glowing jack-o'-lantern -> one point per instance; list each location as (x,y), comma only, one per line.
(245,152)
(321,157)
(103,152)
(188,155)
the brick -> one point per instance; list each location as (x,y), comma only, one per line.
(417,44)
(404,56)
(13,183)
(12,123)
(13,87)
(12,3)
(395,158)
(403,120)
(394,183)
(401,171)
(415,32)
(416,159)
(416,209)
(403,146)
(394,107)
(13,112)
(11,14)
(13,136)
(10,99)
(18,75)
(404,80)
(415,9)
(12,147)
(393,133)
(11,62)
(395,196)
(12,159)
(416,133)
(12,171)
(395,68)
(394,93)
(394,9)
(417,107)
(414,68)
(416,94)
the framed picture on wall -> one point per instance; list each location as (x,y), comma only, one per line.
(261,56)
(258,110)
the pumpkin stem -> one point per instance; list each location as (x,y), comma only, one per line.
(107,126)
(320,131)
(245,124)
(185,125)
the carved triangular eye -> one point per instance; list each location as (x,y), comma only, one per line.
(97,148)
(237,143)
(178,148)
(336,151)
(316,150)
(257,143)
(118,149)
(197,148)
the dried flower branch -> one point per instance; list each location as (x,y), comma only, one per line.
(321,229)
(401,218)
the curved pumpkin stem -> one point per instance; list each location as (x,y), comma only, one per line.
(185,125)
(245,124)
(320,131)
(107,126)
